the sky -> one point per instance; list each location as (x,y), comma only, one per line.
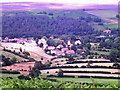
(79,2)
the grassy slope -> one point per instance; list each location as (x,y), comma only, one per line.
(105,14)
(10,55)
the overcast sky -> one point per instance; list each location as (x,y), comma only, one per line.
(82,2)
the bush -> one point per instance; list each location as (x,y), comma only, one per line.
(26,53)
(31,59)
(60,73)
(24,77)
(10,72)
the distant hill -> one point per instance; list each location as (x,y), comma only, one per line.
(27,6)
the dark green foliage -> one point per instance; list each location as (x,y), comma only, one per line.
(88,45)
(10,72)
(60,73)
(8,61)
(43,25)
(114,55)
(40,83)
(31,59)
(35,72)
(26,53)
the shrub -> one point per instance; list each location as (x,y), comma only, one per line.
(31,59)
(26,53)
(60,73)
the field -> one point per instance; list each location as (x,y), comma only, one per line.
(8,75)
(88,80)
(109,17)
(82,80)
(35,51)
(111,26)
(104,13)
(10,55)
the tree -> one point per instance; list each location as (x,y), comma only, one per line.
(13,60)
(71,58)
(88,45)
(41,58)
(74,48)
(60,73)
(35,72)
(41,45)
(20,49)
(114,54)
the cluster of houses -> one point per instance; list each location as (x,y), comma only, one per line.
(20,41)
(60,49)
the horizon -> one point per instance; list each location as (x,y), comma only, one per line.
(77,2)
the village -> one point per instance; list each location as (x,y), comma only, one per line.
(62,47)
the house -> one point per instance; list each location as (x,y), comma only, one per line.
(60,46)
(101,36)
(21,40)
(71,45)
(50,47)
(82,52)
(60,53)
(42,41)
(51,37)
(64,49)
(45,46)
(107,31)
(70,52)
(54,51)
(78,42)
(68,43)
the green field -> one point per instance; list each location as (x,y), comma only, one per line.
(88,80)
(9,75)
(112,26)
(11,55)
(82,80)
(100,52)
(104,13)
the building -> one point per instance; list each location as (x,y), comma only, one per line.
(78,42)
(70,52)
(64,49)
(60,46)
(107,31)
(50,47)
(60,53)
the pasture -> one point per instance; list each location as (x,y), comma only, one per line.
(104,13)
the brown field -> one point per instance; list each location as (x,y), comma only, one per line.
(21,67)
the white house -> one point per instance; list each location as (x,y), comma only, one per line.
(42,41)
(60,46)
(78,42)
(68,43)
(50,47)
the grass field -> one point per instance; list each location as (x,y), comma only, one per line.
(9,75)
(87,80)
(104,13)
(111,26)
(82,80)
(10,55)
(100,52)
